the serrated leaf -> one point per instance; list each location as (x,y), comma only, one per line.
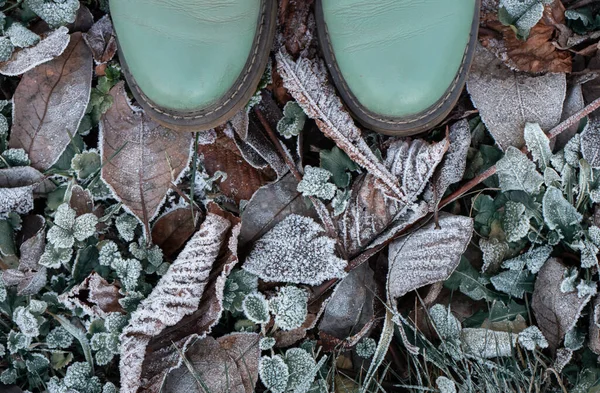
(555,312)
(507,100)
(176,295)
(428,255)
(538,144)
(307,82)
(140,158)
(49,104)
(517,172)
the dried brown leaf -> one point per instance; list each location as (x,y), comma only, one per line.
(141,159)
(95,296)
(594,326)
(298,27)
(556,312)
(174,228)
(101,40)
(590,142)
(49,104)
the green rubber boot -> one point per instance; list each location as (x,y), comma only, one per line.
(399,65)
(192,64)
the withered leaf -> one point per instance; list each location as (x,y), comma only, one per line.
(174,228)
(140,158)
(101,40)
(307,82)
(427,255)
(590,142)
(556,312)
(594,326)
(49,103)
(507,100)
(51,46)
(298,26)
(176,295)
(18,186)
(271,204)
(95,296)
(242,179)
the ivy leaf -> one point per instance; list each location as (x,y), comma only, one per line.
(428,255)
(339,164)
(559,214)
(538,144)
(555,312)
(295,251)
(517,172)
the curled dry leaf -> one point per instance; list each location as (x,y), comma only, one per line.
(507,100)
(50,47)
(49,104)
(556,312)
(242,179)
(427,255)
(307,82)
(538,53)
(270,205)
(95,296)
(141,159)
(227,364)
(176,295)
(101,40)
(174,228)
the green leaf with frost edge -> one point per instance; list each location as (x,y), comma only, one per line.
(517,172)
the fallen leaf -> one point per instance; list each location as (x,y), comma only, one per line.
(487,343)
(307,82)
(538,53)
(556,312)
(101,40)
(174,228)
(81,200)
(140,158)
(227,364)
(95,296)
(298,27)
(50,47)
(594,326)
(427,255)
(574,102)
(590,142)
(270,205)
(49,104)
(507,100)
(242,179)
(176,295)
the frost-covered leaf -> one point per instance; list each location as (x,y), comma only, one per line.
(239,284)
(568,283)
(266,343)
(290,307)
(94,296)
(300,364)
(86,163)
(55,12)
(174,228)
(533,259)
(427,255)
(538,144)
(445,385)
(49,103)
(507,100)
(559,214)
(274,373)
(574,339)
(366,348)
(316,183)
(17,199)
(176,295)
(256,308)
(515,222)
(6,48)
(140,157)
(487,343)
(21,36)
(494,251)
(295,251)
(586,288)
(339,164)
(307,82)
(59,337)
(517,172)
(468,281)
(101,40)
(531,338)
(522,14)
(590,142)
(446,324)
(50,47)
(293,120)
(28,323)
(126,225)
(555,312)
(589,253)
(513,282)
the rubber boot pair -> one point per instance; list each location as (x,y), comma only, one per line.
(399,65)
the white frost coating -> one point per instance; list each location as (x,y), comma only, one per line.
(507,100)
(517,172)
(256,308)
(445,385)
(274,373)
(427,255)
(21,36)
(515,222)
(290,307)
(590,142)
(55,12)
(487,343)
(316,183)
(532,337)
(538,144)
(176,295)
(18,200)
(294,251)
(47,49)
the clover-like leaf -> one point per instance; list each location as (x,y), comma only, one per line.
(293,120)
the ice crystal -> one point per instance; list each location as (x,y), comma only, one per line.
(446,324)
(586,288)
(106,346)
(568,283)
(290,307)
(316,183)
(55,12)
(126,225)
(27,322)
(532,337)
(59,337)
(256,308)
(366,348)
(294,251)
(266,343)
(6,49)
(21,36)
(17,341)
(517,172)
(293,120)
(86,164)
(300,364)
(445,385)
(16,157)
(274,373)
(515,222)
